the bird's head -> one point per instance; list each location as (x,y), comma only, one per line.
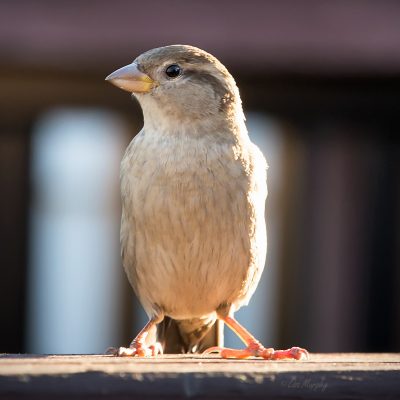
(180,83)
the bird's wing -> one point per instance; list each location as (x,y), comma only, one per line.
(260,167)
(128,256)
(257,195)
(128,228)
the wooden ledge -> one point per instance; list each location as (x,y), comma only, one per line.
(323,376)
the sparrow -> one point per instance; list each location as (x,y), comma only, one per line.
(193,189)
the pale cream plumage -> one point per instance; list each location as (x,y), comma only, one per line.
(193,230)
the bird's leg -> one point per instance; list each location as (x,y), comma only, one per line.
(254,347)
(139,347)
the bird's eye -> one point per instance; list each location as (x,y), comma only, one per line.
(173,71)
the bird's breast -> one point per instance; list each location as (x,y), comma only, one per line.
(194,222)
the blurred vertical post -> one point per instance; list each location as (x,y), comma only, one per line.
(74,298)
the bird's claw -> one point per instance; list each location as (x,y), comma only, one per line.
(140,350)
(257,350)
(294,353)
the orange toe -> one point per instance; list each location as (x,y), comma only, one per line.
(225,352)
(257,350)
(294,353)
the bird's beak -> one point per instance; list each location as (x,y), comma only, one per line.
(129,78)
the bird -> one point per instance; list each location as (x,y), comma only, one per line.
(193,190)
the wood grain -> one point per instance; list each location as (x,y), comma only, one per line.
(323,376)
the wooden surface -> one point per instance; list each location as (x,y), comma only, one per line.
(323,376)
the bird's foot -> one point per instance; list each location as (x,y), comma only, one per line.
(139,350)
(256,349)
(139,347)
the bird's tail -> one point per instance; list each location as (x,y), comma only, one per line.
(189,335)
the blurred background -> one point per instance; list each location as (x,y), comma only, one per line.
(320,83)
